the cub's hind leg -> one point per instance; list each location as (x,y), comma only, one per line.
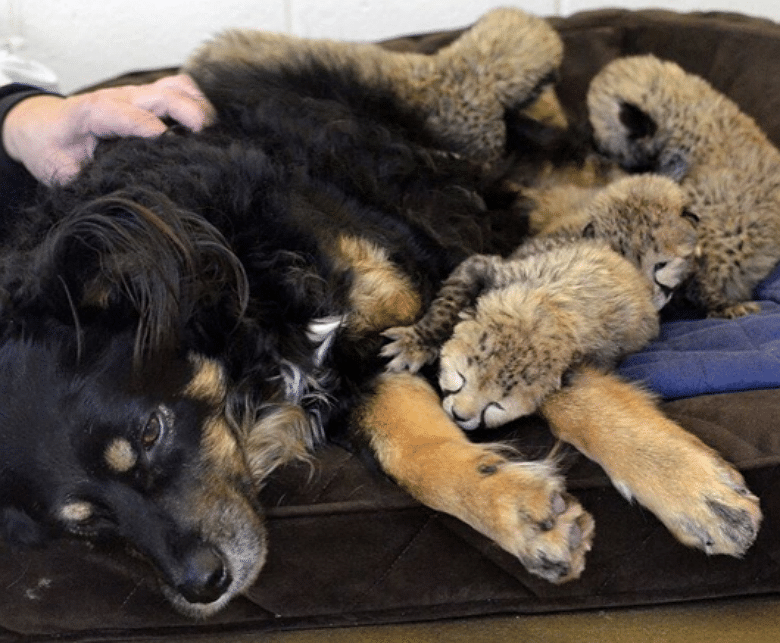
(522,506)
(700,498)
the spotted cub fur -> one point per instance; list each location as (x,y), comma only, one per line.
(587,293)
(645,218)
(507,61)
(650,114)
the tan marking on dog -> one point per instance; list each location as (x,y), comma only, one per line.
(208,383)
(78,511)
(219,446)
(561,193)
(120,455)
(283,435)
(381,295)
(520,505)
(97,294)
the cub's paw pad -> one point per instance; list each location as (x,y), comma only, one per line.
(736,311)
(407,350)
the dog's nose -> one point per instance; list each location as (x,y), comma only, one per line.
(205,578)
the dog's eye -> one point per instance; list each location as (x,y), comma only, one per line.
(153,430)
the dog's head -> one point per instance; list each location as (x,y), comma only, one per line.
(112,429)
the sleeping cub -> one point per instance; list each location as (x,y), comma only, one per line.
(587,293)
(651,115)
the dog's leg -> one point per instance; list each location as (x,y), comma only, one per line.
(701,499)
(522,506)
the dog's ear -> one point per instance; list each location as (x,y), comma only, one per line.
(128,258)
(638,123)
(17,528)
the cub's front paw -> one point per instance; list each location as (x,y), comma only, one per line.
(735,311)
(407,350)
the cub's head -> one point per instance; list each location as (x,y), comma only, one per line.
(644,114)
(645,219)
(500,363)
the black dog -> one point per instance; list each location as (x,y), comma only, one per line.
(181,319)
(195,311)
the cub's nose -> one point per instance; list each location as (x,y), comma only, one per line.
(465,419)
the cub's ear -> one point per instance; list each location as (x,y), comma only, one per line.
(17,528)
(691,216)
(589,231)
(638,123)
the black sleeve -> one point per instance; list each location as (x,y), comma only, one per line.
(16,183)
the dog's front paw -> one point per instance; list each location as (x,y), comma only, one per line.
(407,350)
(524,508)
(703,501)
(719,515)
(557,552)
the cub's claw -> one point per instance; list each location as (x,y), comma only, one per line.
(407,350)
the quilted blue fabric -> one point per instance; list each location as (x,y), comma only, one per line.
(694,357)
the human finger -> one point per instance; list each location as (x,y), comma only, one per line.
(110,113)
(176,97)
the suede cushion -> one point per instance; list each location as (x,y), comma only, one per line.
(348,547)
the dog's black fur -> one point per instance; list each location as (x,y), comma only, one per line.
(157,313)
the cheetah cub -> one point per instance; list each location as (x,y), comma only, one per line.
(509,329)
(651,115)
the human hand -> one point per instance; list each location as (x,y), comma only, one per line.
(54,136)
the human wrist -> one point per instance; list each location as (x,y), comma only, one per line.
(21,121)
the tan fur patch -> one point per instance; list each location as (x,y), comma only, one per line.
(120,455)
(560,194)
(547,109)
(283,435)
(76,511)
(220,446)
(208,383)
(381,295)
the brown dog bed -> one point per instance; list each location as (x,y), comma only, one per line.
(349,547)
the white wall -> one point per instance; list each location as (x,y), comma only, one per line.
(85,41)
